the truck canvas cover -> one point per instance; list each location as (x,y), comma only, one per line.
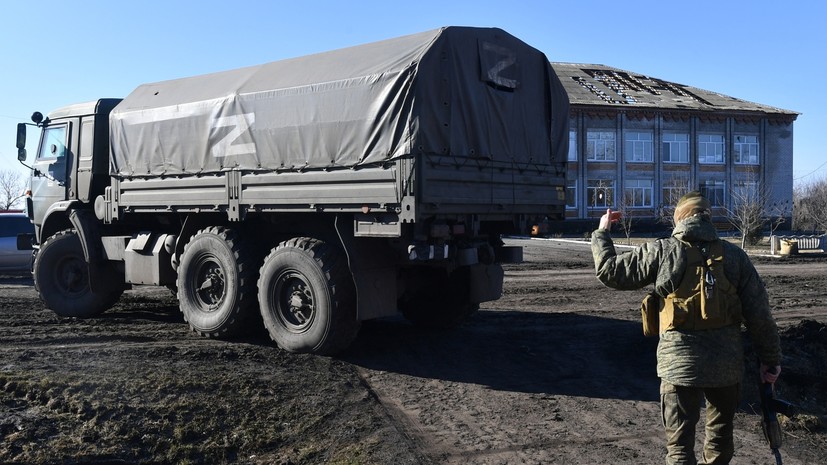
(455,91)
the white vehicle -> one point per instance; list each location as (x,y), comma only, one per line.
(12,260)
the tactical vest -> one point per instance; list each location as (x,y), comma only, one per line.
(705,299)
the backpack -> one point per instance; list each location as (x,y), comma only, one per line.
(704,299)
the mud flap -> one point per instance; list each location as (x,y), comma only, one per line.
(485,282)
(374,274)
(101,276)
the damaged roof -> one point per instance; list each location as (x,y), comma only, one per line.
(605,86)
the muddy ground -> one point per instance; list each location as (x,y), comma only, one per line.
(557,371)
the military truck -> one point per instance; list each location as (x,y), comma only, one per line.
(316,192)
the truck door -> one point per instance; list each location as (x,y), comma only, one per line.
(49,184)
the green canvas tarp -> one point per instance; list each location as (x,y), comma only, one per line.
(455,91)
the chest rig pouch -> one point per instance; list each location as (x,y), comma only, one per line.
(705,299)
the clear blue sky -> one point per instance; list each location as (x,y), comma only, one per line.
(59,52)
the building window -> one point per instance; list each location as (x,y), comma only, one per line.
(600,193)
(572,145)
(638,192)
(571,193)
(639,146)
(746,150)
(714,192)
(600,146)
(674,188)
(710,148)
(675,147)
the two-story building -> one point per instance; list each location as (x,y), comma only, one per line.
(641,142)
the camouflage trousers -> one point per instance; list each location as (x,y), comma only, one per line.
(680,409)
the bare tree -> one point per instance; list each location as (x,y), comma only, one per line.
(11,189)
(749,211)
(673,189)
(810,206)
(626,218)
(629,199)
(778,213)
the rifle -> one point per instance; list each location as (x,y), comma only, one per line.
(770,407)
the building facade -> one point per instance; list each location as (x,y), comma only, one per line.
(638,143)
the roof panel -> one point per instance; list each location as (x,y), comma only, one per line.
(601,85)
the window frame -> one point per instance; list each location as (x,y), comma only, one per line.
(737,149)
(647,189)
(601,148)
(714,190)
(704,158)
(608,188)
(673,189)
(639,150)
(681,144)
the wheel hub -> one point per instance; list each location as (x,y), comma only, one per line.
(211,289)
(297,309)
(71,275)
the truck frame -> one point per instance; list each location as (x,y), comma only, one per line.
(316,192)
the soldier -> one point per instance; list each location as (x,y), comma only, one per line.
(704,289)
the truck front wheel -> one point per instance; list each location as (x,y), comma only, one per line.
(216,282)
(61,277)
(307,299)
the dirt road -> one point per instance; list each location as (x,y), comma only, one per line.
(557,371)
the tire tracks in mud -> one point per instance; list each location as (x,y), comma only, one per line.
(451,446)
(407,425)
(510,387)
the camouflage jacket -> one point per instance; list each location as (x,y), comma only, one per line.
(708,358)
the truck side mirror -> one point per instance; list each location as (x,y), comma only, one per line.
(21,141)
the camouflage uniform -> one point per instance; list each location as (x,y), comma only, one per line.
(692,364)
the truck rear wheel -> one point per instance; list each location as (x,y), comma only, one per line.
(61,277)
(307,297)
(216,282)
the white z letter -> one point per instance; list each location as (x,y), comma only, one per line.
(239,124)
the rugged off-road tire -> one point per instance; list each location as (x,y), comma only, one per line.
(441,303)
(61,277)
(307,297)
(216,283)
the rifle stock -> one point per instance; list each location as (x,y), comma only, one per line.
(769,421)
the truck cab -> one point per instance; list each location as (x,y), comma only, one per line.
(71,164)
